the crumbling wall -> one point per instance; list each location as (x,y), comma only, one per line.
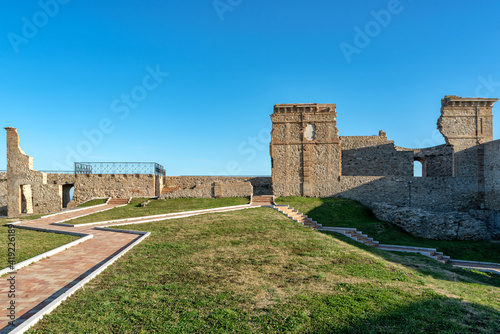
(432,193)
(437,161)
(305,148)
(465,123)
(261,185)
(374,156)
(433,225)
(88,186)
(216,189)
(28,190)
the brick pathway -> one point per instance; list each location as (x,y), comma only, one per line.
(40,283)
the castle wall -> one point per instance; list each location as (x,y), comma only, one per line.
(305,148)
(88,186)
(428,193)
(28,190)
(215,189)
(374,156)
(437,161)
(261,185)
(492,174)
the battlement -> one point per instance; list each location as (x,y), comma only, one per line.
(456,101)
(304,108)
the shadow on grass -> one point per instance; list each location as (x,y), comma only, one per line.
(433,314)
(341,212)
(425,265)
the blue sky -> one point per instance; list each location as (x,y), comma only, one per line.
(191,84)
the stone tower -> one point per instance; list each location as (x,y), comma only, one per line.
(466,123)
(305,150)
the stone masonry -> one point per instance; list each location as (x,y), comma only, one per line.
(309,159)
(28,191)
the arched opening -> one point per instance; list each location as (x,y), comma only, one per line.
(418,169)
(67,194)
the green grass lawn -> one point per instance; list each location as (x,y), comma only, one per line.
(93,202)
(341,212)
(256,271)
(156,207)
(30,243)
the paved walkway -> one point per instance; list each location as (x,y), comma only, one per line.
(40,283)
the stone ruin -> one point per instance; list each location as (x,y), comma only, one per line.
(309,158)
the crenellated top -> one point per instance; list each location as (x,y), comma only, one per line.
(304,108)
(456,101)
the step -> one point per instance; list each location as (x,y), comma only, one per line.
(113,201)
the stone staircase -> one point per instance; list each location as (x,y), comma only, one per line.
(353,234)
(118,201)
(264,200)
(358,236)
(297,216)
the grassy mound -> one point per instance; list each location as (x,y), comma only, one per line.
(256,271)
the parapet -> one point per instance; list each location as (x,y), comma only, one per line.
(305,108)
(456,101)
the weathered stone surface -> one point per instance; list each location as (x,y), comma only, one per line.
(90,186)
(28,190)
(216,189)
(374,156)
(433,225)
(261,185)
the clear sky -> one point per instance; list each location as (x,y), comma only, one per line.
(191,84)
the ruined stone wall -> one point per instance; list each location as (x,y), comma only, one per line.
(492,174)
(113,185)
(433,225)
(465,123)
(261,185)
(437,161)
(28,190)
(374,156)
(213,190)
(54,178)
(431,193)
(305,148)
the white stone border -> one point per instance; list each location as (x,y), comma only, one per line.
(28,323)
(87,214)
(78,209)
(17,266)
(155,217)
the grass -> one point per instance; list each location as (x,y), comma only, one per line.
(256,271)
(341,212)
(30,243)
(93,202)
(134,209)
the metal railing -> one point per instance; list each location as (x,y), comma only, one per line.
(119,168)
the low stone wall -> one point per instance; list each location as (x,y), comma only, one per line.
(433,225)
(114,186)
(261,185)
(214,190)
